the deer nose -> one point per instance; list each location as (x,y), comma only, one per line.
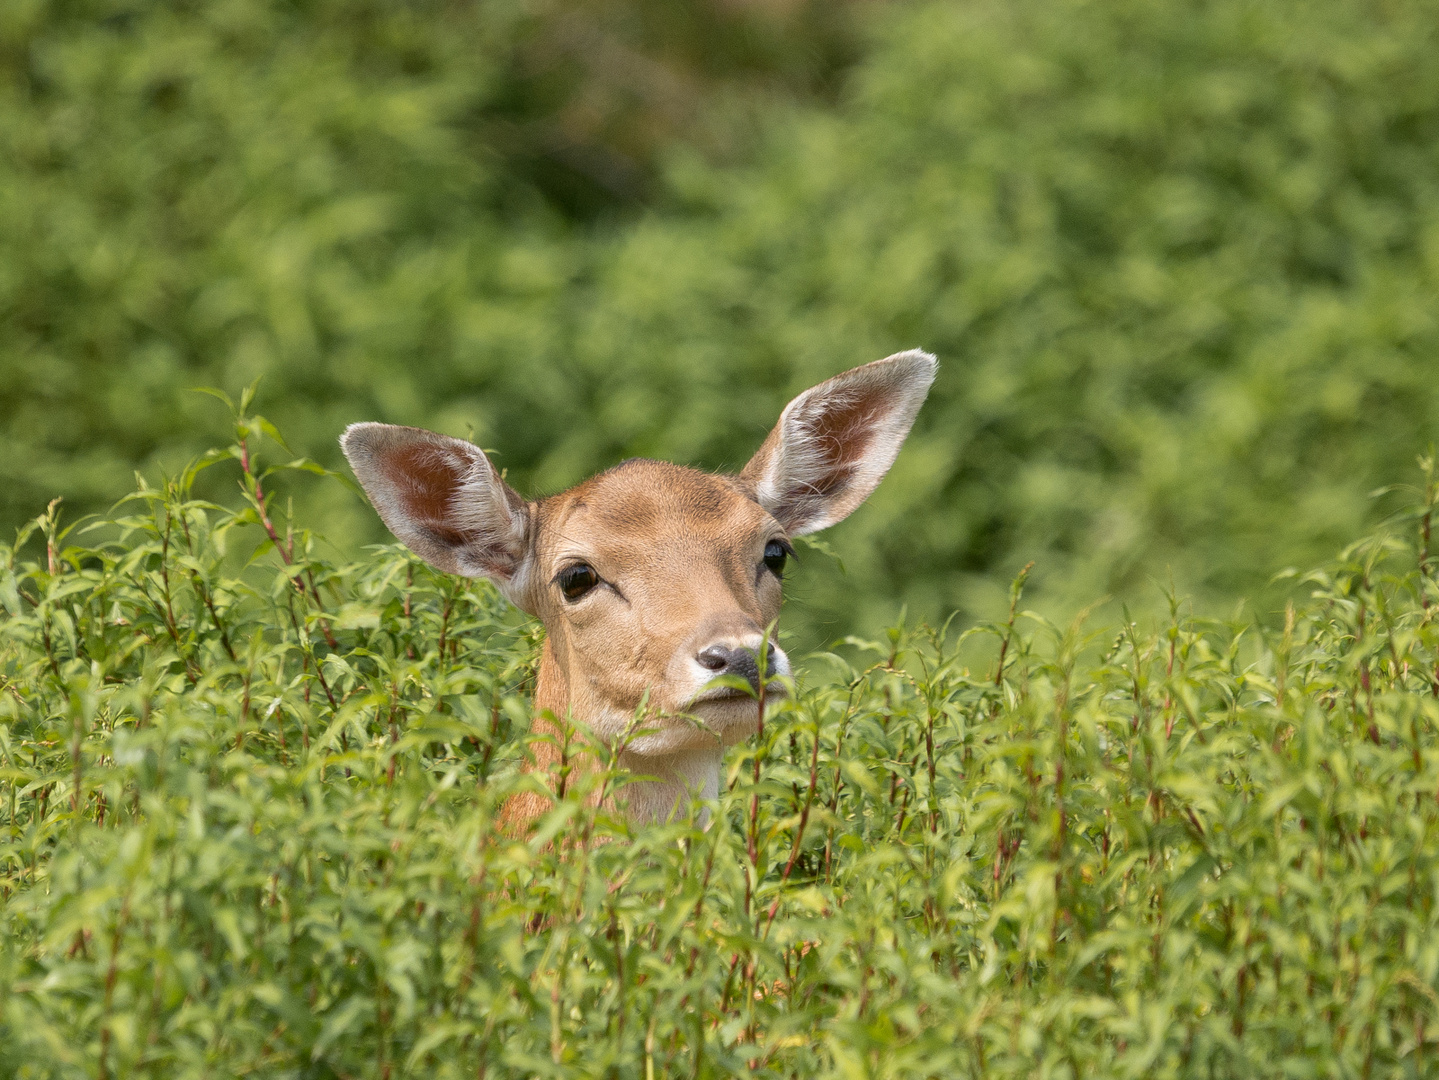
(723,660)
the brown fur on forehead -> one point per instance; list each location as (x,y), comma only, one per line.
(641,501)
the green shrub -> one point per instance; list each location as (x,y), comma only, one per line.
(250,802)
(1178,260)
(375,204)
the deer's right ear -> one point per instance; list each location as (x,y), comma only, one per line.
(444,500)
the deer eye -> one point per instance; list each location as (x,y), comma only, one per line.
(575,581)
(775,554)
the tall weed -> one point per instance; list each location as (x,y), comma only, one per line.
(250,802)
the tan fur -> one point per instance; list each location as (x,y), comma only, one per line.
(680,554)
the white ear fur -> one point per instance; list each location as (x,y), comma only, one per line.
(443,499)
(834,443)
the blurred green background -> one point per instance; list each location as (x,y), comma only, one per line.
(1179,260)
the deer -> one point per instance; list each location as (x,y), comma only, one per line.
(652,580)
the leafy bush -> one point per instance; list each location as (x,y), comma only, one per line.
(1177,259)
(250,810)
(369,202)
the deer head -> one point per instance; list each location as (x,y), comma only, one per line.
(651,579)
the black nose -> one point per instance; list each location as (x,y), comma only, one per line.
(723,660)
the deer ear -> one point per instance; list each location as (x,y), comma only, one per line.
(443,499)
(834,443)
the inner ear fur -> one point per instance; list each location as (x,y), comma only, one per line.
(444,501)
(834,443)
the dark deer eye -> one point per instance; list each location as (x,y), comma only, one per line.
(775,554)
(575,581)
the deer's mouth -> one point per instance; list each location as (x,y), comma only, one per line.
(729,695)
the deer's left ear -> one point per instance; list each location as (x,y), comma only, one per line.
(834,443)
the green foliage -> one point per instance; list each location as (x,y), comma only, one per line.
(371,203)
(250,808)
(1178,259)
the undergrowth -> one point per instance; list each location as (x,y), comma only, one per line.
(250,816)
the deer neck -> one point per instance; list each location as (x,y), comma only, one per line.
(671,779)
